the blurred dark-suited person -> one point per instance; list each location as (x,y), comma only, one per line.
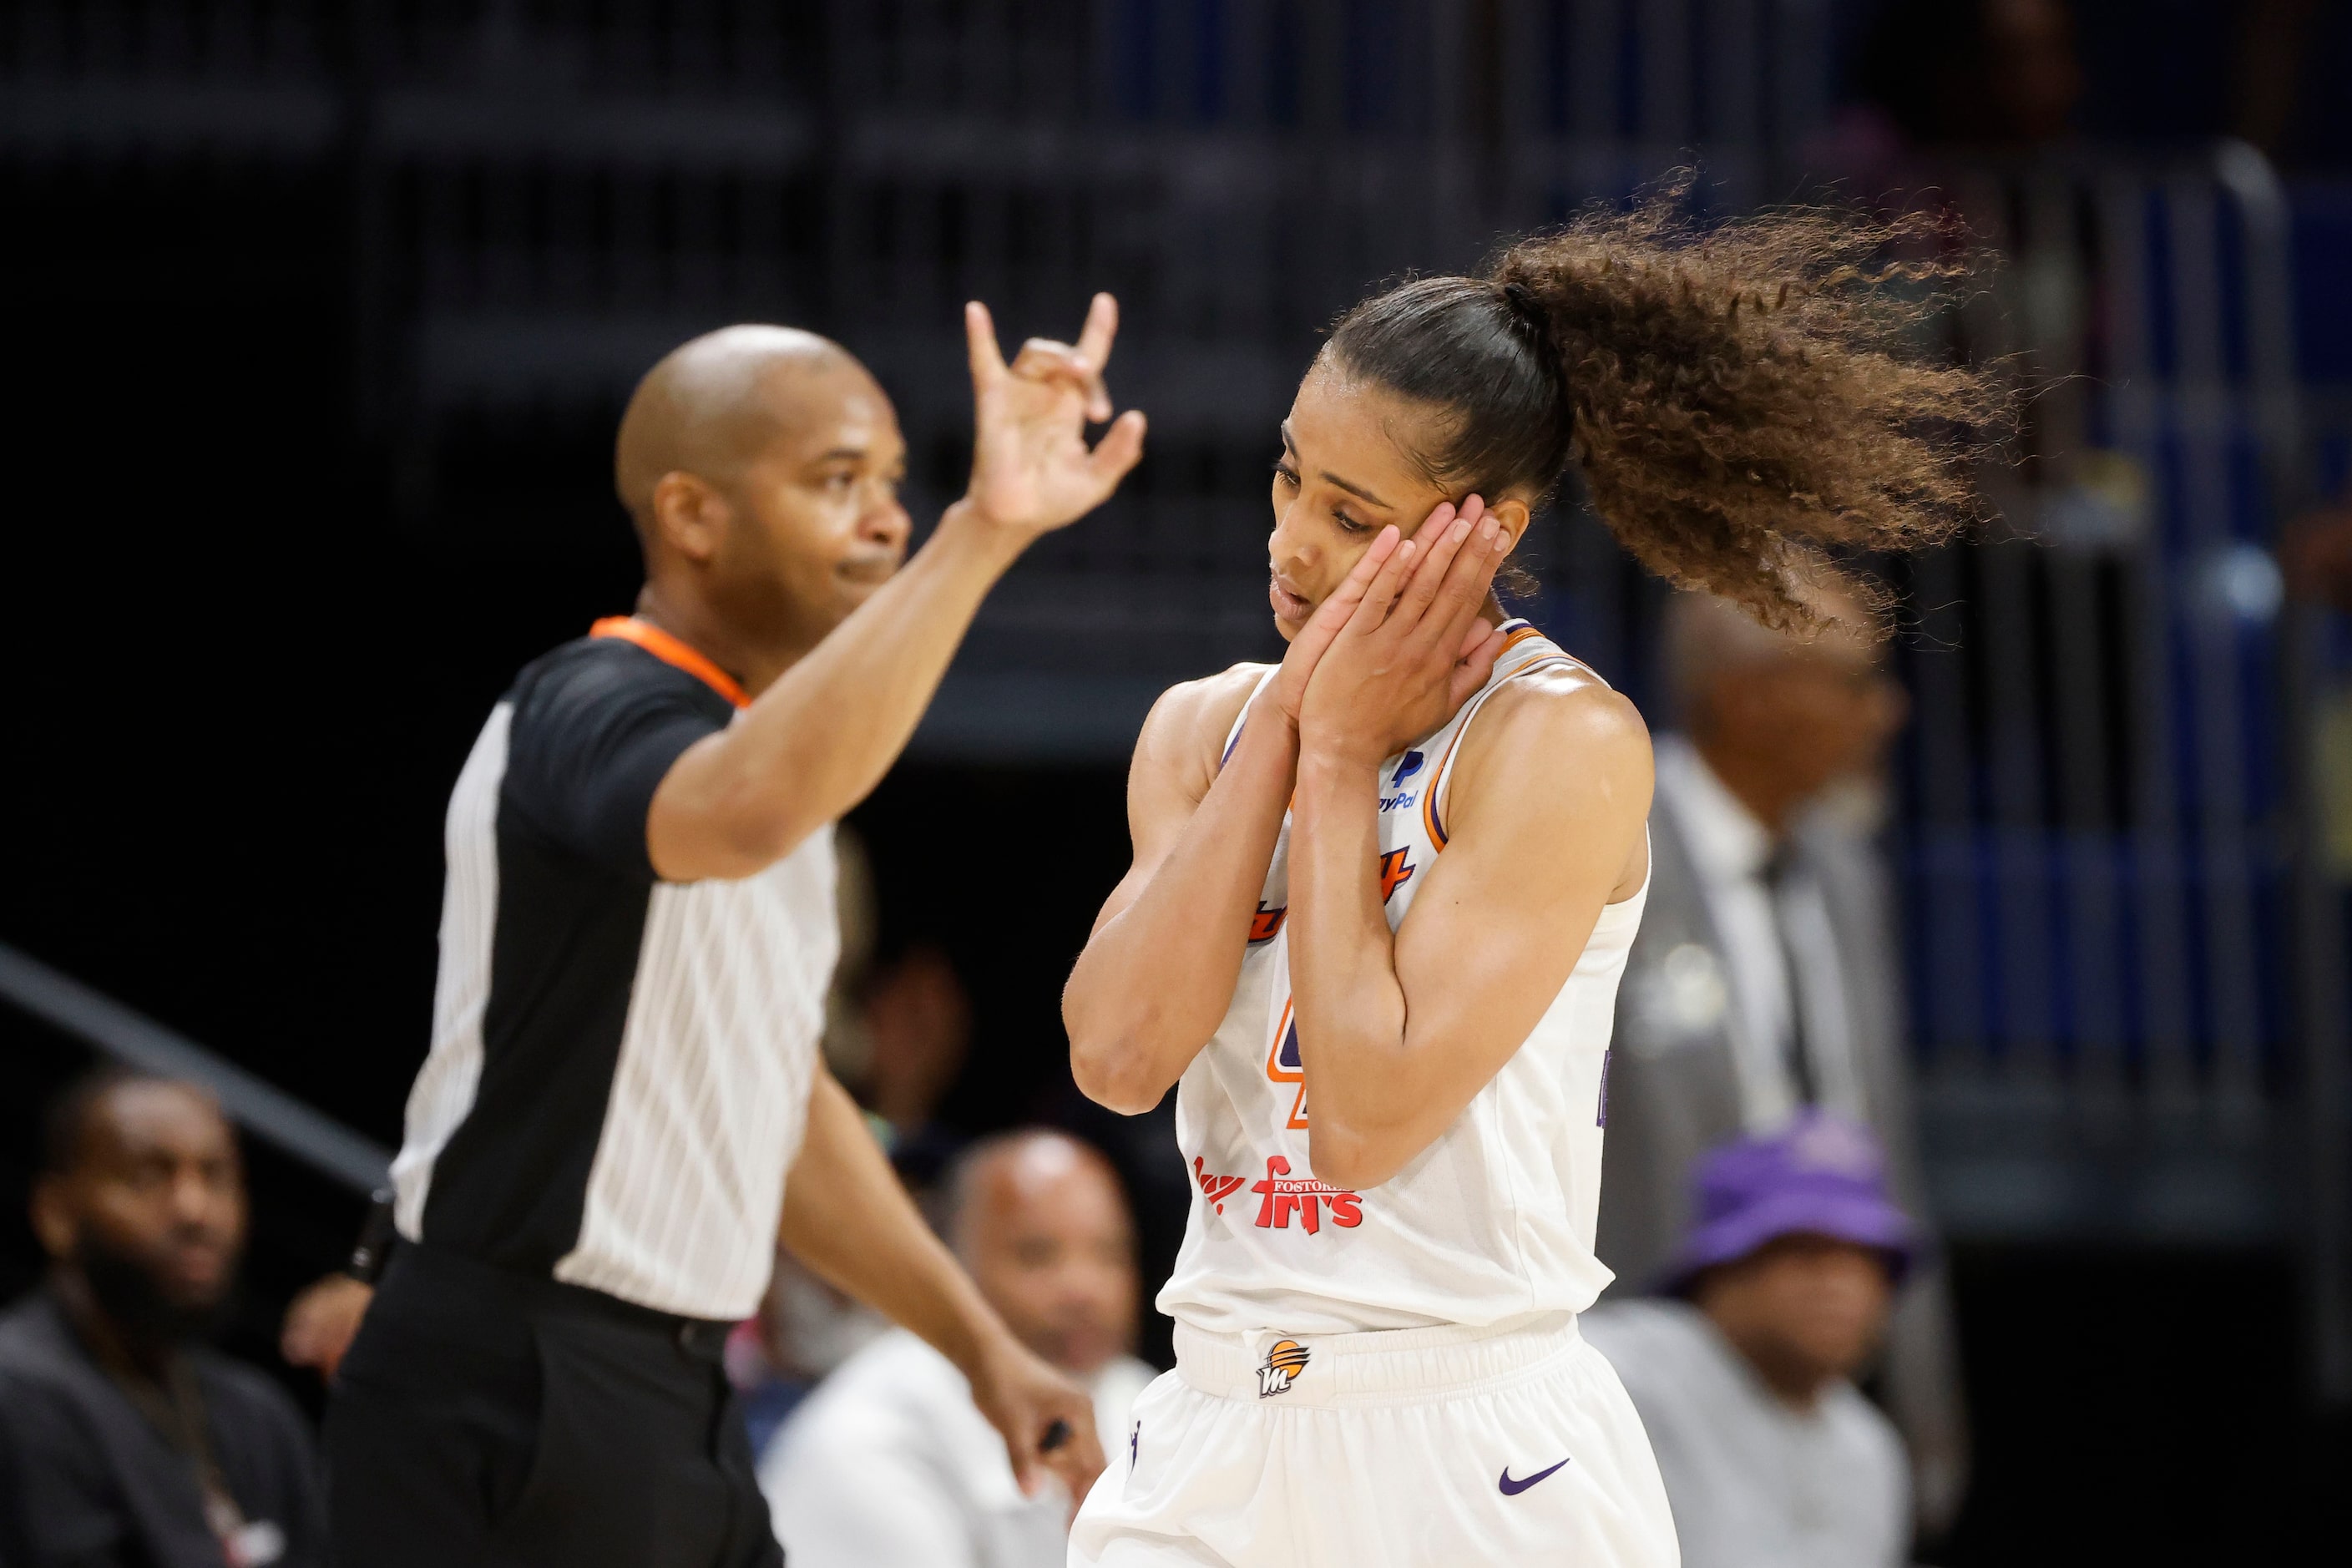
(123,1439)
(1764,979)
(1773,1458)
(887,1465)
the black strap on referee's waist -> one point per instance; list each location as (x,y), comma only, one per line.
(377,1232)
(539,1295)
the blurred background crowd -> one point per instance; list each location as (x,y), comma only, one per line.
(2020,941)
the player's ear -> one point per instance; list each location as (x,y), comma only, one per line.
(690,515)
(1513,514)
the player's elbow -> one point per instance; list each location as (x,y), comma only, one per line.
(1115,1076)
(1353,1157)
(1113,1070)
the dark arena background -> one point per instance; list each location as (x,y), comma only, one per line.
(319,317)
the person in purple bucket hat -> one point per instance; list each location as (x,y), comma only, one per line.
(1742,1367)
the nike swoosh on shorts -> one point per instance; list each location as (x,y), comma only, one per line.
(1513,1488)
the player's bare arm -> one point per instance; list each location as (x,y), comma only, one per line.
(818,739)
(847,1217)
(1548,798)
(1158,972)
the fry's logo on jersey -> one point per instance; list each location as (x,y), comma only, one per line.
(1283,1197)
(1217,1189)
(1283,1365)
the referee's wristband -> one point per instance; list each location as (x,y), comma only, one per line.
(376,1234)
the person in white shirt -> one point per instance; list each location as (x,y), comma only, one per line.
(1773,1458)
(889,1465)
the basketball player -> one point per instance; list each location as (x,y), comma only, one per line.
(1382,892)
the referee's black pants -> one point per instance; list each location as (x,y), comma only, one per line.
(486,1417)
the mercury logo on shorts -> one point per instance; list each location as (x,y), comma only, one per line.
(1283,1365)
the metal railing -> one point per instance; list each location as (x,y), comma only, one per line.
(135,1040)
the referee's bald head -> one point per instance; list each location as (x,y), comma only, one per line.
(760,466)
(714,403)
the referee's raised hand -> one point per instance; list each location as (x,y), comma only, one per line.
(1032,469)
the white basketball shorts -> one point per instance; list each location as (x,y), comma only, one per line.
(1414,1448)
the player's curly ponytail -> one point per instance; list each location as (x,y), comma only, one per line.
(1738,399)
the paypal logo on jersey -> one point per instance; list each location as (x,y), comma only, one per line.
(1407,766)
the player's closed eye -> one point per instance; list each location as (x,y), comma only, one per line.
(1288,477)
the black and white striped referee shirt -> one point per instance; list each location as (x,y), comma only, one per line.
(621,1065)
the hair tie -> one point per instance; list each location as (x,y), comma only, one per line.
(1522,302)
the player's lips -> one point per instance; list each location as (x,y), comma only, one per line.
(1291,609)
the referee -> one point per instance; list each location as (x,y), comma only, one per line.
(624,1109)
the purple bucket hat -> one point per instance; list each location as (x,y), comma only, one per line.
(1822,1176)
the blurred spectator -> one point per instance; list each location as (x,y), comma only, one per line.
(918,1026)
(1772,1458)
(123,1439)
(1764,979)
(897,1031)
(887,1465)
(804,1329)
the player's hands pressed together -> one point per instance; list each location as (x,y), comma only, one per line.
(1202,836)
(1412,649)
(1288,692)
(1031,469)
(1397,1032)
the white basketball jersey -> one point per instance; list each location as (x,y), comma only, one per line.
(1492,1222)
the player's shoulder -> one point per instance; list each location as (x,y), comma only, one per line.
(1562,706)
(1194,714)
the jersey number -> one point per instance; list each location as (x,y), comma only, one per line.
(1283,1065)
